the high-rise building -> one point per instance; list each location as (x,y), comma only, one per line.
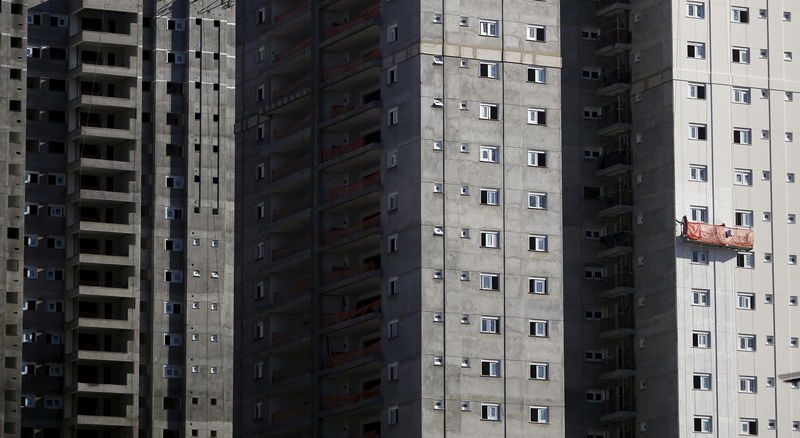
(679,155)
(399,255)
(118,118)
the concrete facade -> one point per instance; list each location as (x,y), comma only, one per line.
(384,177)
(708,135)
(128,237)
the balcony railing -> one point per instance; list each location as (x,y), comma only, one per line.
(282,336)
(615,114)
(335,318)
(297,246)
(301,45)
(292,291)
(336,401)
(337,110)
(297,85)
(291,414)
(606,3)
(294,127)
(294,10)
(615,76)
(333,235)
(619,279)
(613,157)
(368,181)
(288,373)
(295,166)
(343,273)
(339,28)
(624,238)
(617,404)
(617,197)
(614,35)
(372,55)
(623,362)
(294,207)
(350,356)
(619,321)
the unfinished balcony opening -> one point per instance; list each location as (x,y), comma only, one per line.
(103,373)
(110,213)
(106,277)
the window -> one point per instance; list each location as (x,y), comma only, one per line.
(393,372)
(592,112)
(537,285)
(490,324)
(538,371)
(701,382)
(175,58)
(392,243)
(172,308)
(171,213)
(174,182)
(391,34)
(537,116)
(701,297)
(536,32)
(741,95)
(391,202)
(740,55)
(742,136)
(488,28)
(490,239)
(172,339)
(490,196)
(793,300)
(747,342)
(391,329)
(696,50)
(698,173)
(697,131)
(696,10)
(590,73)
(748,426)
(745,260)
(743,177)
(490,368)
(790,177)
(698,214)
(701,339)
(537,158)
(392,117)
(747,384)
(539,328)
(702,424)
(787,16)
(745,301)
(173,276)
(258,331)
(740,15)
(537,75)
(391,75)
(744,218)
(537,200)
(172,372)
(488,111)
(592,273)
(697,91)
(392,415)
(490,411)
(489,70)
(537,243)
(540,414)
(490,154)
(594,396)
(490,281)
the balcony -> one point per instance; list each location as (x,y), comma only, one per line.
(102,71)
(103,102)
(300,244)
(609,7)
(332,72)
(289,334)
(341,233)
(616,158)
(613,40)
(295,166)
(617,325)
(616,120)
(292,88)
(618,409)
(291,415)
(290,372)
(291,13)
(294,207)
(616,202)
(617,284)
(619,367)
(343,273)
(299,47)
(294,291)
(616,244)
(614,81)
(330,319)
(337,29)
(370,434)
(338,401)
(104,5)
(370,180)
(336,359)
(291,129)
(106,38)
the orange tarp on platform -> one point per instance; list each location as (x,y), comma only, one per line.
(719,235)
